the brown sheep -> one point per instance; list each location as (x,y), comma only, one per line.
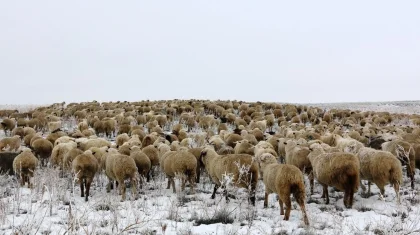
(380,167)
(405,153)
(181,163)
(284,180)
(10,143)
(217,166)
(42,149)
(121,139)
(231,139)
(85,166)
(298,156)
(24,165)
(200,167)
(153,154)
(8,124)
(18,131)
(338,169)
(143,163)
(120,167)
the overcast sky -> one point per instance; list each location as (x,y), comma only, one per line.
(282,51)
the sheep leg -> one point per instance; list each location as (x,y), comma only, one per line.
(311,181)
(397,192)
(28,178)
(183,182)
(266,200)
(192,185)
(381,192)
(362,186)
(225,193)
(369,188)
(412,178)
(173,185)
(281,206)
(197,173)
(288,203)
(133,188)
(301,201)
(22,180)
(214,191)
(148,176)
(122,190)
(169,183)
(88,182)
(82,189)
(325,192)
(252,197)
(141,181)
(109,186)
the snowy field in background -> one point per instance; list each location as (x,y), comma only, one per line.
(51,208)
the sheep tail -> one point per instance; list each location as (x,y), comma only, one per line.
(298,191)
(395,176)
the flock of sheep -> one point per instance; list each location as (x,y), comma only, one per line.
(277,143)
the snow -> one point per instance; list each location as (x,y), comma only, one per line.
(51,208)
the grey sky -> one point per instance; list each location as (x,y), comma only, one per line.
(283,51)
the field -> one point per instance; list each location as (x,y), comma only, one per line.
(54,205)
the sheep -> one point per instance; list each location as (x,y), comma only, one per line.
(85,166)
(109,127)
(134,141)
(18,131)
(124,149)
(6,162)
(120,167)
(217,142)
(284,180)
(99,142)
(69,157)
(63,139)
(59,151)
(54,126)
(224,150)
(53,136)
(200,167)
(143,163)
(121,139)
(342,143)
(405,153)
(24,165)
(338,169)
(264,147)
(88,132)
(298,156)
(182,164)
(148,140)
(231,139)
(379,167)
(218,166)
(243,146)
(28,130)
(99,154)
(27,139)
(83,125)
(10,143)
(8,124)
(21,122)
(42,149)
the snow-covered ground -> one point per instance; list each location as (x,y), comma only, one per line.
(51,208)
